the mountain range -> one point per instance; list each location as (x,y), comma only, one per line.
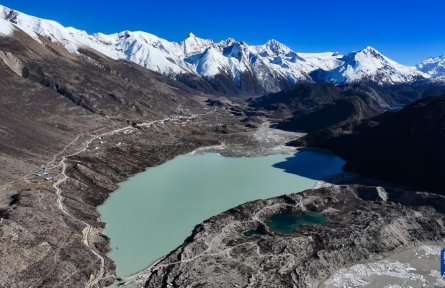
(230,67)
(92,110)
(433,66)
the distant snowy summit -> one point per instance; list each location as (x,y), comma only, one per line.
(433,66)
(369,65)
(229,66)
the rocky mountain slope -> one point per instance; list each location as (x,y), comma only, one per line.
(301,97)
(342,111)
(314,106)
(229,67)
(99,84)
(403,147)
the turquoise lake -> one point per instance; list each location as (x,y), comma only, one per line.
(155,211)
(286,223)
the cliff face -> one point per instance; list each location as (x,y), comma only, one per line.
(364,223)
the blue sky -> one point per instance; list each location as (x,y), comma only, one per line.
(407,31)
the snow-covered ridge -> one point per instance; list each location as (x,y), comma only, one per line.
(371,65)
(203,57)
(70,37)
(269,65)
(433,66)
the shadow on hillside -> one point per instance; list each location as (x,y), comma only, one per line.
(312,163)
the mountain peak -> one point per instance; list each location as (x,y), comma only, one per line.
(370,65)
(370,50)
(193,38)
(230,40)
(193,44)
(273,42)
(277,47)
(366,54)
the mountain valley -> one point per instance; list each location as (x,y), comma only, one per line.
(81,113)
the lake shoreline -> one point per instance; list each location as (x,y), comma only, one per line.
(339,201)
(137,161)
(122,174)
(204,185)
(102,244)
(226,154)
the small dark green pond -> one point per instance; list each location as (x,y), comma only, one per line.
(285,223)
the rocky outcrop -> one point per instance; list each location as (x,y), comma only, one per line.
(13,63)
(364,223)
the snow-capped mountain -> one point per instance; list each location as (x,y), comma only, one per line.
(230,66)
(263,68)
(433,66)
(369,65)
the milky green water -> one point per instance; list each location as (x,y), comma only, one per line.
(155,211)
